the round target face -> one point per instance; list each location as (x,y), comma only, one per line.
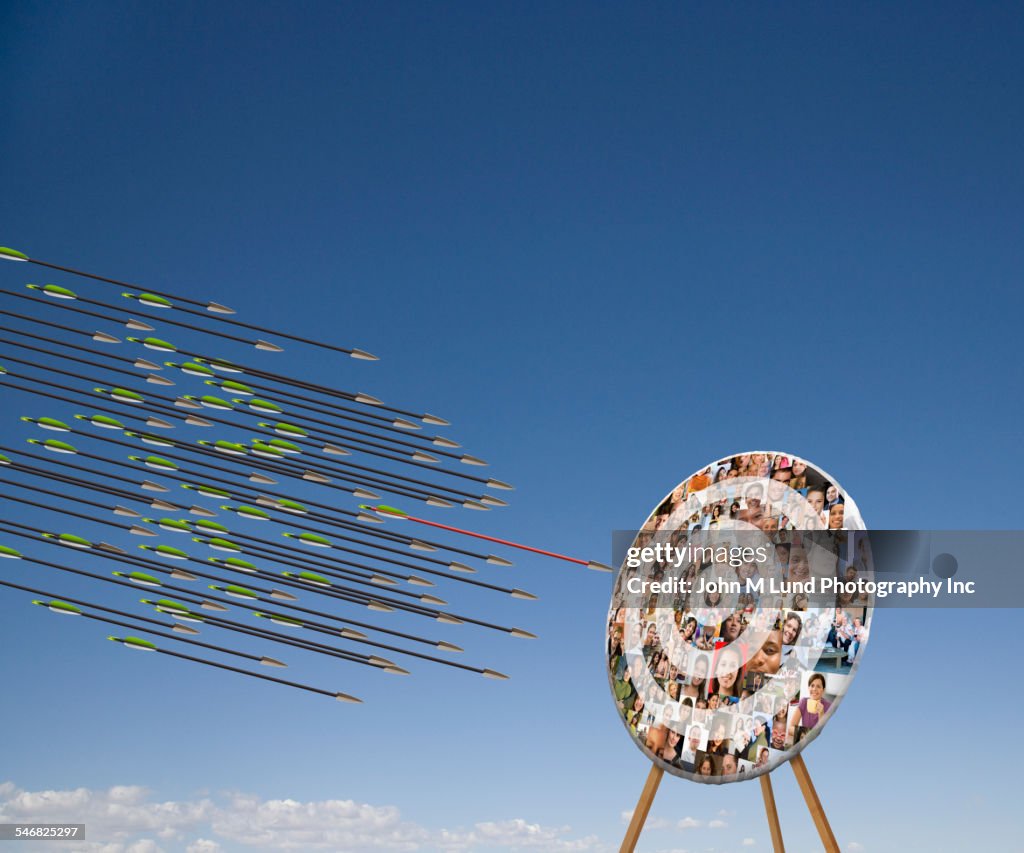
(737,619)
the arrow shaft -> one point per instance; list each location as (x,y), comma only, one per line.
(494,539)
(118,320)
(189,302)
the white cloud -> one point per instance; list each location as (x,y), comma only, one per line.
(123,818)
(688,823)
(854,846)
(749,842)
(717,824)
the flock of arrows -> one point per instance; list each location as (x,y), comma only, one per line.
(127,445)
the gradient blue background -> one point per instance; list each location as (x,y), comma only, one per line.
(610,246)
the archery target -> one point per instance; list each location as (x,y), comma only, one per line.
(725,664)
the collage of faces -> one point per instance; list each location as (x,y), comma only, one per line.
(723,687)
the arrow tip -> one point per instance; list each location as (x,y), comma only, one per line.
(499,561)
(433,501)
(267,661)
(599,567)
(344,697)
(368,399)
(490,500)
(267,346)
(521,634)
(490,673)
(363,355)
(456,566)
(444,646)
(435,420)
(217,308)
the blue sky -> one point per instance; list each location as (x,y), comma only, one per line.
(611,247)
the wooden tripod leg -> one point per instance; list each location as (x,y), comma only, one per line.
(773,814)
(803,778)
(643,807)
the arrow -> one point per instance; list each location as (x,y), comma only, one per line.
(64,608)
(144,645)
(221,364)
(327,447)
(132,323)
(132,398)
(158,299)
(393,512)
(275,500)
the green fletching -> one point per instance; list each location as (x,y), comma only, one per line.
(314,539)
(280,620)
(9,553)
(223,544)
(235,446)
(198,369)
(141,577)
(222,364)
(285,446)
(160,462)
(56,290)
(157,344)
(252,512)
(149,438)
(391,510)
(206,524)
(63,606)
(264,405)
(73,541)
(236,563)
(12,254)
(209,491)
(58,446)
(124,394)
(288,429)
(214,402)
(168,604)
(295,506)
(52,423)
(236,387)
(153,299)
(103,420)
(168,551)
(263,449)
(139,643)
(313,578)
(175,524)
(240,591)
